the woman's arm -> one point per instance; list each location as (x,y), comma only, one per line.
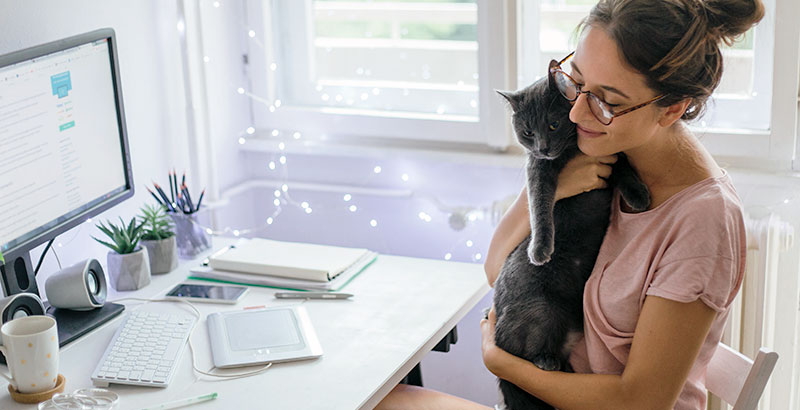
(666,342)
(581,174)
(512,229)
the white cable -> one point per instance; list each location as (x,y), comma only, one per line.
(57,259)
(191,347)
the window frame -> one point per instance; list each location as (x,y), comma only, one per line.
(774,148)
(325,123)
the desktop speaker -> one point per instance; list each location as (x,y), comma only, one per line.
(20,305)
(81,286)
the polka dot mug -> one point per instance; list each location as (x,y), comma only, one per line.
(30,345)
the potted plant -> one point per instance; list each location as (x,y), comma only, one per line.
(159,239)
(128,263)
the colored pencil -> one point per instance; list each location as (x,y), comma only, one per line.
(175,180)
(164,196)
(154,196)
(188,197)
(171,196)
(200,200)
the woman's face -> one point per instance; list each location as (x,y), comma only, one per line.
(598,66)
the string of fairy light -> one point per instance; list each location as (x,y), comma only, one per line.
(458,217)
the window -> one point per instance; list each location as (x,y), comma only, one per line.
(404,69)
(426,70)
(741,101)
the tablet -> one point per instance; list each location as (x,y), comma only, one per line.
(207,293)
(259,336)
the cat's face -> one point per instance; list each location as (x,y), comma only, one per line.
(541,119)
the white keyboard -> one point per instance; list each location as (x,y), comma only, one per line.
(145,350)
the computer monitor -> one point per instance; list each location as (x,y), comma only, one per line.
(64,153)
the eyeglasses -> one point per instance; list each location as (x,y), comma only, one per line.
(570,89)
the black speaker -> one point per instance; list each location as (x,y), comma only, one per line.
(20,305)
(17,274)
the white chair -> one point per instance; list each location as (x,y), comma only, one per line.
(736,379)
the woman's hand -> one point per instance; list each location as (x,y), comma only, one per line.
(492,355)
(583,174)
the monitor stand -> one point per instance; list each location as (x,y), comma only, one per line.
(73,324)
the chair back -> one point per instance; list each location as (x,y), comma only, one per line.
(735,378)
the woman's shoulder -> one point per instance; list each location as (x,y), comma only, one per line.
(706,218)
(707,194)
(713,195)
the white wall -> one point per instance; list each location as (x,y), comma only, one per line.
(152,83)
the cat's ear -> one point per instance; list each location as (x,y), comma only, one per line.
(513,98)
(551,81)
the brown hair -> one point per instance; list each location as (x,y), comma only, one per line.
(675,43)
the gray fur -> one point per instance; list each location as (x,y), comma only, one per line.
(539,293)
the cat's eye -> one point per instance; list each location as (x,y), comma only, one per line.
(527,133)
(554,125)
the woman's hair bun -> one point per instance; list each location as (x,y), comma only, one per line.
(728,19)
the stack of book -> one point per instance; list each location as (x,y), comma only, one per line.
(287,265)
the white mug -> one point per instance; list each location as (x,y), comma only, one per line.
(30,345)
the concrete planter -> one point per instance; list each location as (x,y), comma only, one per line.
(163,254)
(130,271)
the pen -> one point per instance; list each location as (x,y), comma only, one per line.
(312,295)
(183,402)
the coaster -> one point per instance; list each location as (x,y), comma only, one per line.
(33,398)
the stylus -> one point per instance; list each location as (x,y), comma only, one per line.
(312,295)
(184,402)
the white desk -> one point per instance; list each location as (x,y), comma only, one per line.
(401,309)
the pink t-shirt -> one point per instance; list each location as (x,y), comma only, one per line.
(692,246)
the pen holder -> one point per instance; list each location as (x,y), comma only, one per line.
(191,237)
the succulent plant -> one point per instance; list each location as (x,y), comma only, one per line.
(124,239)
(157,225)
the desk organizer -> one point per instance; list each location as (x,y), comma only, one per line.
(192,238)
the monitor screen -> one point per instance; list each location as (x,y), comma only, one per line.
(62,142)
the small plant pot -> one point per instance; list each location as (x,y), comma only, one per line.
(163,254)
(130,271)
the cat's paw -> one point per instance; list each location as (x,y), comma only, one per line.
(547,362)
(637,196)
(539,252)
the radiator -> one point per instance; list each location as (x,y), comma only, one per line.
(753,316)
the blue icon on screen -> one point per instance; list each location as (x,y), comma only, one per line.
(61,83)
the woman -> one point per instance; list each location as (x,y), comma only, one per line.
(656,302)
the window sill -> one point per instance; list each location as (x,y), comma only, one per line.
(476,154)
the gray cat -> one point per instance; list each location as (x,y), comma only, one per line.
(539,294)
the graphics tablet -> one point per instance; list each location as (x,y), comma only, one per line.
(259,336)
